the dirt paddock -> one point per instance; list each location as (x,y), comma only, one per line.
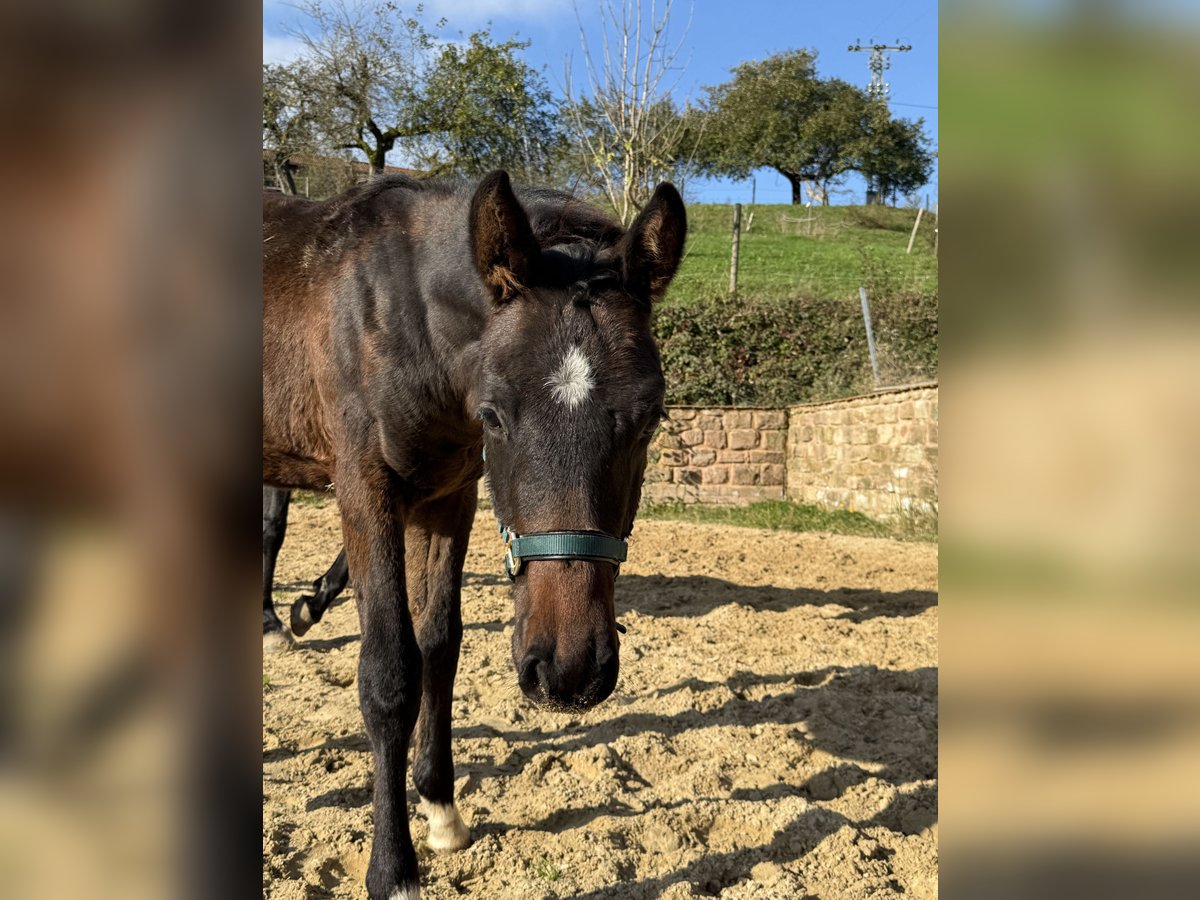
(773,733)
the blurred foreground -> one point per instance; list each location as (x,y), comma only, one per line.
(129,382)
(1070,494)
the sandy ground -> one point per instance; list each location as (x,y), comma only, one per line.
(773,733)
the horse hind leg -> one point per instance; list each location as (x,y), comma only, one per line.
(275,510)
(309,608)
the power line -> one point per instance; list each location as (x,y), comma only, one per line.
(917,105)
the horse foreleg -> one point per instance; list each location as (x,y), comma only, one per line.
(309,609)
(435,550)
(389,665)
(275,510)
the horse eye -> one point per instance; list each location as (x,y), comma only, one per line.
(489,418)
(653,427)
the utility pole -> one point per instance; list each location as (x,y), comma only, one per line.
(877,63)
(878,88)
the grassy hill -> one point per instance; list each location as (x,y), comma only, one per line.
(842,248)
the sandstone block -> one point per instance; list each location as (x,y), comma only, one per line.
(770,418)
(743,475)
(766,456)
(742,439)
(772,474)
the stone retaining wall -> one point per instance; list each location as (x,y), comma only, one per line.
(876,454)
(719,455)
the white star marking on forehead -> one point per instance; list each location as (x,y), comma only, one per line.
(572,381)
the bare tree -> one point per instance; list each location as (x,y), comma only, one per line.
(633,134)
(287,120)
(368,62)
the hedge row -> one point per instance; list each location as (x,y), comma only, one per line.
(768,353)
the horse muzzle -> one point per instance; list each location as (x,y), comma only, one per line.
(565,644)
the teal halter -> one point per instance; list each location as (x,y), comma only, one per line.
(522,548)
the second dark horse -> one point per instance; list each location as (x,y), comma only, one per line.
(408,327)
(307,609)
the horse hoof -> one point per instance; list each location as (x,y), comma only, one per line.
(447,831)
(276,641)
(301,616)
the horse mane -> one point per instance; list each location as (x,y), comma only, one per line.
(559,218)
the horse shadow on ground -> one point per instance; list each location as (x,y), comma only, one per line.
(697,595)
(878,723)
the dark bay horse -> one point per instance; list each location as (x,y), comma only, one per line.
(409,329)
(307,609)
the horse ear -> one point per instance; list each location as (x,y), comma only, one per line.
(653,245)
(501,237)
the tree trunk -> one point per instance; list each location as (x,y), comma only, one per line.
(283,177)
(378,161)
(796,183)
(825,193)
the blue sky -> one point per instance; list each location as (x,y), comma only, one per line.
(723,33)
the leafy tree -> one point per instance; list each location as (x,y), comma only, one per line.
(776,113)
(833,131)
(487,109)
(378,80)
(757,119)
(894,154)
(288,123)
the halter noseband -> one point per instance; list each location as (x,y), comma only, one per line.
(522,548)
(595,545)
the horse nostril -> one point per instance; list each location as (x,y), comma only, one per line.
(532,677)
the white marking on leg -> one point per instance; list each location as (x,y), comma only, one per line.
(447,830)
(412,892)
(572,380)
(305,614)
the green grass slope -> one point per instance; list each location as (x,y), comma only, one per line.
(829,257)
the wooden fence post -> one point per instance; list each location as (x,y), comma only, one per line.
(916,225)
(737,238)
